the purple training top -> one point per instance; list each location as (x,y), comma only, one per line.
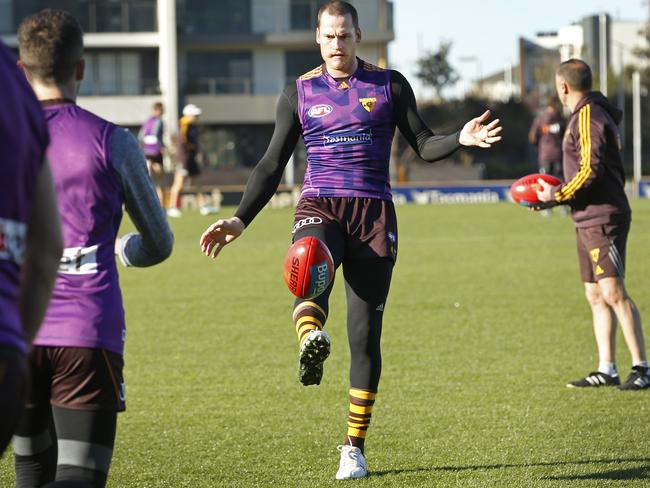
(86,307)
(151,135)
(23,140)
(348,129)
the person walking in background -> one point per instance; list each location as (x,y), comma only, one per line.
(546,134)
(151,140)
(68,427)
(188,150)
(595,191)
(30,235)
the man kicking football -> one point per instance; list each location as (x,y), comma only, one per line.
(346,110)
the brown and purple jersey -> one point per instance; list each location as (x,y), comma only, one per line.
(546,133)
(593,170)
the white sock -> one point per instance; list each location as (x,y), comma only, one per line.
(607,368)
(643,364)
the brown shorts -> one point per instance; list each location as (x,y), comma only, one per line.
(76,377)
(352,227)
(601,251)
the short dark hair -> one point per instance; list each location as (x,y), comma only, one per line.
(576,73)
(50,45)
(340,8)
(158,106)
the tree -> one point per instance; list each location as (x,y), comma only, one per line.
(435,71)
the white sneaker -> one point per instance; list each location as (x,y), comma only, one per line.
(174,212)
(208,209)
(352,465)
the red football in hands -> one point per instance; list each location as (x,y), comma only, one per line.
(308,267)
(524,190)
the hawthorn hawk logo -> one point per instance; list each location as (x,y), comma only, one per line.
(368,103)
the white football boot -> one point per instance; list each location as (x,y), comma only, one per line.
(352,465)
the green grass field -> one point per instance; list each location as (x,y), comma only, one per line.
(485,323)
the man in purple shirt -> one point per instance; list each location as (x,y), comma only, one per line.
(151,139)
(30,235)
(346,110)
(68,426)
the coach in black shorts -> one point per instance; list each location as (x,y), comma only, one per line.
(594,190)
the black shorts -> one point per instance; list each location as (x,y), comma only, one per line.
(13,387)
(352,227)
(601,251)
(191,164)
(77,378)
(155,158)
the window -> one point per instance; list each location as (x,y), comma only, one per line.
(214,18)
(120,73)
(95,15)
(235,145)
(219,72)
(304,14)
(299,62)
(6,16)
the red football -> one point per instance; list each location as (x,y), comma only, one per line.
(308,267)
(524,190)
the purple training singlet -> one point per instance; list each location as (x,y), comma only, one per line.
(348,129)
(86,307)
(151,135)
(23,141)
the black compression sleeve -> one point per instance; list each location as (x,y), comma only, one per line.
(428,146)
(265,178)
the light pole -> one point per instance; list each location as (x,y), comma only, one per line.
(477,61)
(602,43)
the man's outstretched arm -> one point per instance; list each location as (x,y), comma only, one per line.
(263,181)
(425,143)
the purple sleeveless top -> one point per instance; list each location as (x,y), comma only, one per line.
(23,140)
(348,130)
(86,307)
(151,133)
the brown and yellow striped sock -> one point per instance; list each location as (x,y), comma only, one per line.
(361,402)
(308,316)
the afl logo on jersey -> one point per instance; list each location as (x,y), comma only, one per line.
(320,110)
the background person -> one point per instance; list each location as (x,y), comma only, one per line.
(188,150)
(151,140)
(546,134)
(595,191)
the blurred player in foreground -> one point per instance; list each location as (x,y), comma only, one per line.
(76,385)
(595,191)
(30,235)
(346,110)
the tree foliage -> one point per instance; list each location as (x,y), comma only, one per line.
(434,69)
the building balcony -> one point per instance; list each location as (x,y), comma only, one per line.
(235,108)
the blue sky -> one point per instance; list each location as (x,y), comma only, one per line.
(487,30)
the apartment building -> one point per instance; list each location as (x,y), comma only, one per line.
(230,57)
